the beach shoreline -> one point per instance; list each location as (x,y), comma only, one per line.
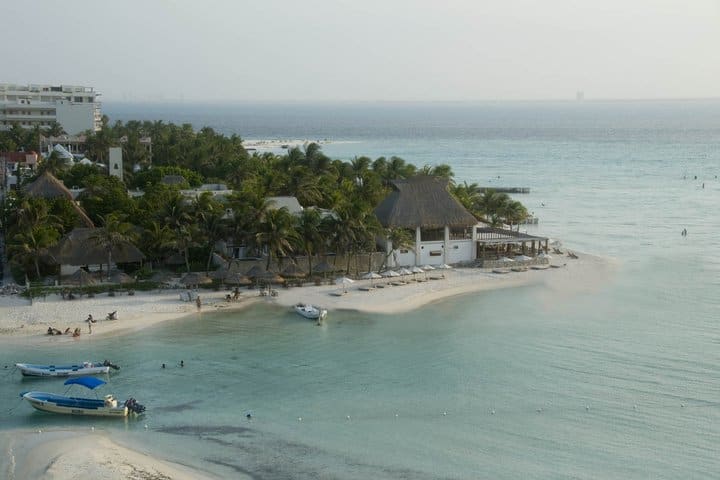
(63,454)
(24,321)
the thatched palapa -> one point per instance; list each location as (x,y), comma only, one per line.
(422,201)
(48,187)
(80,248)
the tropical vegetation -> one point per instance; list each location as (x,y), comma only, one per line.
(163,222)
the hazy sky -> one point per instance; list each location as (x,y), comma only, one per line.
(366,49)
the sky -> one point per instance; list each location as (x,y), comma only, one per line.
(366,50)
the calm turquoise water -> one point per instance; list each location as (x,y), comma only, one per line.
(619,381)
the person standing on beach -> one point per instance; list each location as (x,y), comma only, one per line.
(198,302)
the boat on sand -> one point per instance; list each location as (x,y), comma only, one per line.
(80,406)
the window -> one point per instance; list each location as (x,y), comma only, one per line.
(460,233)
(432,234)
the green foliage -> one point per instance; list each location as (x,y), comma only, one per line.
(152,176)
(104,195)
(78,174)
(169,223)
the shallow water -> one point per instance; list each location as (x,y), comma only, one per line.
(618,380)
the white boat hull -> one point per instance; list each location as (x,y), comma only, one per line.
(310,311)
(29,370)
(65,405)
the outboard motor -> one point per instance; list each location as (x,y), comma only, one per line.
(134,407)
(107,363)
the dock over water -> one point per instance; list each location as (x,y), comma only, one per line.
(506,189)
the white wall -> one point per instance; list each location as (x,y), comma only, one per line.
(459,251)
(115,165)
(75,117)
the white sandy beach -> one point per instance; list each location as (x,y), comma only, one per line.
(30,320)
(69,455)
(23,322)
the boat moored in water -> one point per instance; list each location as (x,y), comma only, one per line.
(94,407)
(76,370)
(312,312)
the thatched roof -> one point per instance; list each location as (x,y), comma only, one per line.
(422,201)
(80,248)
(47,186)
(194,278)
(324,267)
(80,277)
(293,271)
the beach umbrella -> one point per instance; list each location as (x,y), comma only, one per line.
(427,268)
(444,266)
(417,269)
(220,273)
(81,278)
(522,258)
(505,260)
(405,271)
(390,273)
(323,267)
(344,281)
(121,277)
(194,278)
(237,279)
(256,271)
(544,255)
(371,276)
(270,277)
(293,271)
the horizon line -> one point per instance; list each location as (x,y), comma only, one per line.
(385,101)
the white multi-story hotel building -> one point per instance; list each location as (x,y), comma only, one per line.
(75,108)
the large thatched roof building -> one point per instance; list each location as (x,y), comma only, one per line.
(49,187)
(422,201)
(79,247)
(443,229)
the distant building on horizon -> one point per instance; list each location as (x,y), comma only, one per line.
(75,108)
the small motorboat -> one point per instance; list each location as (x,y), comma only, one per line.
(94,407)
(84,368)
(310,311)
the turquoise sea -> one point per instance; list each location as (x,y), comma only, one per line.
(621,380)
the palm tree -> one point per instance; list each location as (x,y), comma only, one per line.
(157,239)
(209,212)
(400,239)
(114,233)
(513,213)
(276,232)
(30,244)
(309,236)
(490,203)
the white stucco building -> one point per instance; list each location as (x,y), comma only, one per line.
(76,108)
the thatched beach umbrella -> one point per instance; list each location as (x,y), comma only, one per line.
(194,278)
(121,277)
(293,271)
(324,267)
(270,277)
(237,279)
(81,278)
(255,271)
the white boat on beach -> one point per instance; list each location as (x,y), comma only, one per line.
(79,370)
(310,311)
(94,407)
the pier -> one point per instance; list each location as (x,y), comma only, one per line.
(506,189)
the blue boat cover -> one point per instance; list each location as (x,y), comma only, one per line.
(89,382)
